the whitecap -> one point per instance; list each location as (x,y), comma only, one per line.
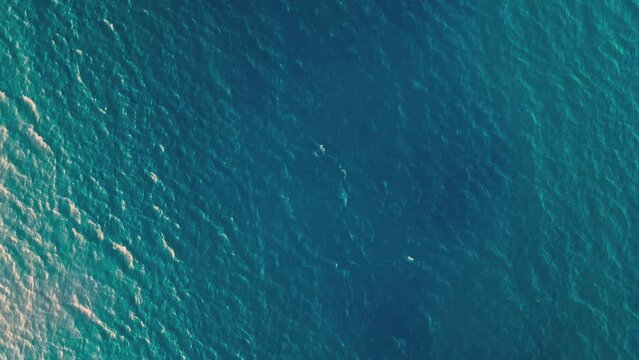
(32,105)
(74,212)
(125,252)
(86,311)
(97,229)
(109,24)
(154,177)
(79,237)
(38,140)
(168,249)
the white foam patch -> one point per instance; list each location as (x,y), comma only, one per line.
(78,77)
(38,140)
(5,290)
(34,234)
(168,249)
(136,319)
(31,105)
(6,165)
(8,261)
(86,311)
(24,209)
(108,24)
(4,134)
(5,192)
(158,210)
(125,253)
(97,229)
(78,236)
(154,177)
(74,212)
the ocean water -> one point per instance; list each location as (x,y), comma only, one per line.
(235,179)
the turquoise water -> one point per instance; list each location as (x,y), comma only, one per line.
(319,180)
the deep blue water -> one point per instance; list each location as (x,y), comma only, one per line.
(319,180)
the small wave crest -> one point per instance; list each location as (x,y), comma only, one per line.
(34,109)
(125,253)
